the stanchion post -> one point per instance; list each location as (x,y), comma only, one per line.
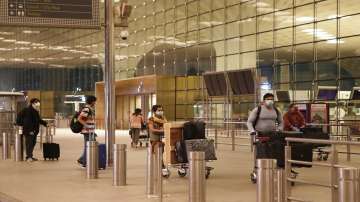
(333,177)
(18,147)
(348,181)
(119,168)
(92,160)
(6,146)
(216,137)
(265,181)
(232,140)
(197,183)
(159,162)
(287,184)
(150,172)
(281,185)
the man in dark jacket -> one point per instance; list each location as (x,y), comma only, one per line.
(31,121)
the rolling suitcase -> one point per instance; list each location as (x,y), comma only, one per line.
(204,145)
(302,152)
(180,149)
(102,156)
(51,151)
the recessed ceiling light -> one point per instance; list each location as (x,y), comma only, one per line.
(31,32)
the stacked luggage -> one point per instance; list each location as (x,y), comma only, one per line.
(194,140)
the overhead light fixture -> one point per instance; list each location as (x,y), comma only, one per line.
(31,32)
(7,33)
(9,40)
(23,42)
(6,49)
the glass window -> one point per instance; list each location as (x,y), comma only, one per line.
(304,33)
(205,35)
(304,14)
(304,72)
(232,46)
(348,7)
(284,73)
(265,40)
(218,32)
(349,68)
(284,37)
(180,26)
(304,53)
(232,13)
(192,8)
(247,26)
(302,2)
(232,29)
(282,4)
(326,70)
(265,22)
(326,30)
(326,10)
(265,6)
(205,6)
(180,12)
(284,18)
(232,62)
(284,55)
(349,46)
(169,16)
(347,27)
(266,57)
(248,43)
(325,50)
(218,4)
(248,60)
(205,20)
(220,64)
(248,9)
(192,23)
(219,48)
(218,17)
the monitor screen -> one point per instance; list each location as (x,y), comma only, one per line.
(215,84)
(355,94)
(326,94)
(241,82)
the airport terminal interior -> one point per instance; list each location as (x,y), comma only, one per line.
(208,61)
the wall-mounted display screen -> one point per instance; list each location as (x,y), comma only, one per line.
(326,93)
(241,82)
(215,84)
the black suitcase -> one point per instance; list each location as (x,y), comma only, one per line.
(271,150)
(180,149)
(194,130)
(302,152)
(51,151)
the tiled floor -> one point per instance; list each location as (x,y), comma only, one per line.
(64,180)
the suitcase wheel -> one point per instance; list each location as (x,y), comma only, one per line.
(253,177)
(182,172)
(207,174)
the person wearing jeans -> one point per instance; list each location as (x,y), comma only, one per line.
(87,119)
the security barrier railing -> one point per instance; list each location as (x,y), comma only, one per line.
(333,165)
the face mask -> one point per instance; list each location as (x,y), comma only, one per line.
(269,103)
(159,113)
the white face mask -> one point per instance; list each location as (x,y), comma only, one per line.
(159,113)
(269,103)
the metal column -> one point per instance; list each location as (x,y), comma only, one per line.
(197,183)
(333,173)
(349,185)
(265,182)
(119,168)
(158,160)
(92,160)
(18,147)
(109,81)
(150,172)
(281,185)
(6,153)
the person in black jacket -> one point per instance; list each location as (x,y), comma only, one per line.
(31,121)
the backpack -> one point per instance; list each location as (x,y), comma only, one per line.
(75,125)
(258,115)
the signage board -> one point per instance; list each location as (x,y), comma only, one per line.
(51,13)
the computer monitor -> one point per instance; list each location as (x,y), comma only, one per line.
(326,93)
(355,93)
(283,96)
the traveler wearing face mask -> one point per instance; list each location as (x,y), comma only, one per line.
(266,117)
(156,124)
(293,119)
(31,121)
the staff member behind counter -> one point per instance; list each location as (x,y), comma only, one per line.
(293,119)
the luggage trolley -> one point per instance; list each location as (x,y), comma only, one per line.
(177,149)
(270,146)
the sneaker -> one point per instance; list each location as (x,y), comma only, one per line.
(34,159)
(80,163)
(29,160)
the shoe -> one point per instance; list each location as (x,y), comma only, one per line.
(34,159)
(80,163)
(29,160)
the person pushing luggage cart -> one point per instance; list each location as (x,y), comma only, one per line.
(264,119)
